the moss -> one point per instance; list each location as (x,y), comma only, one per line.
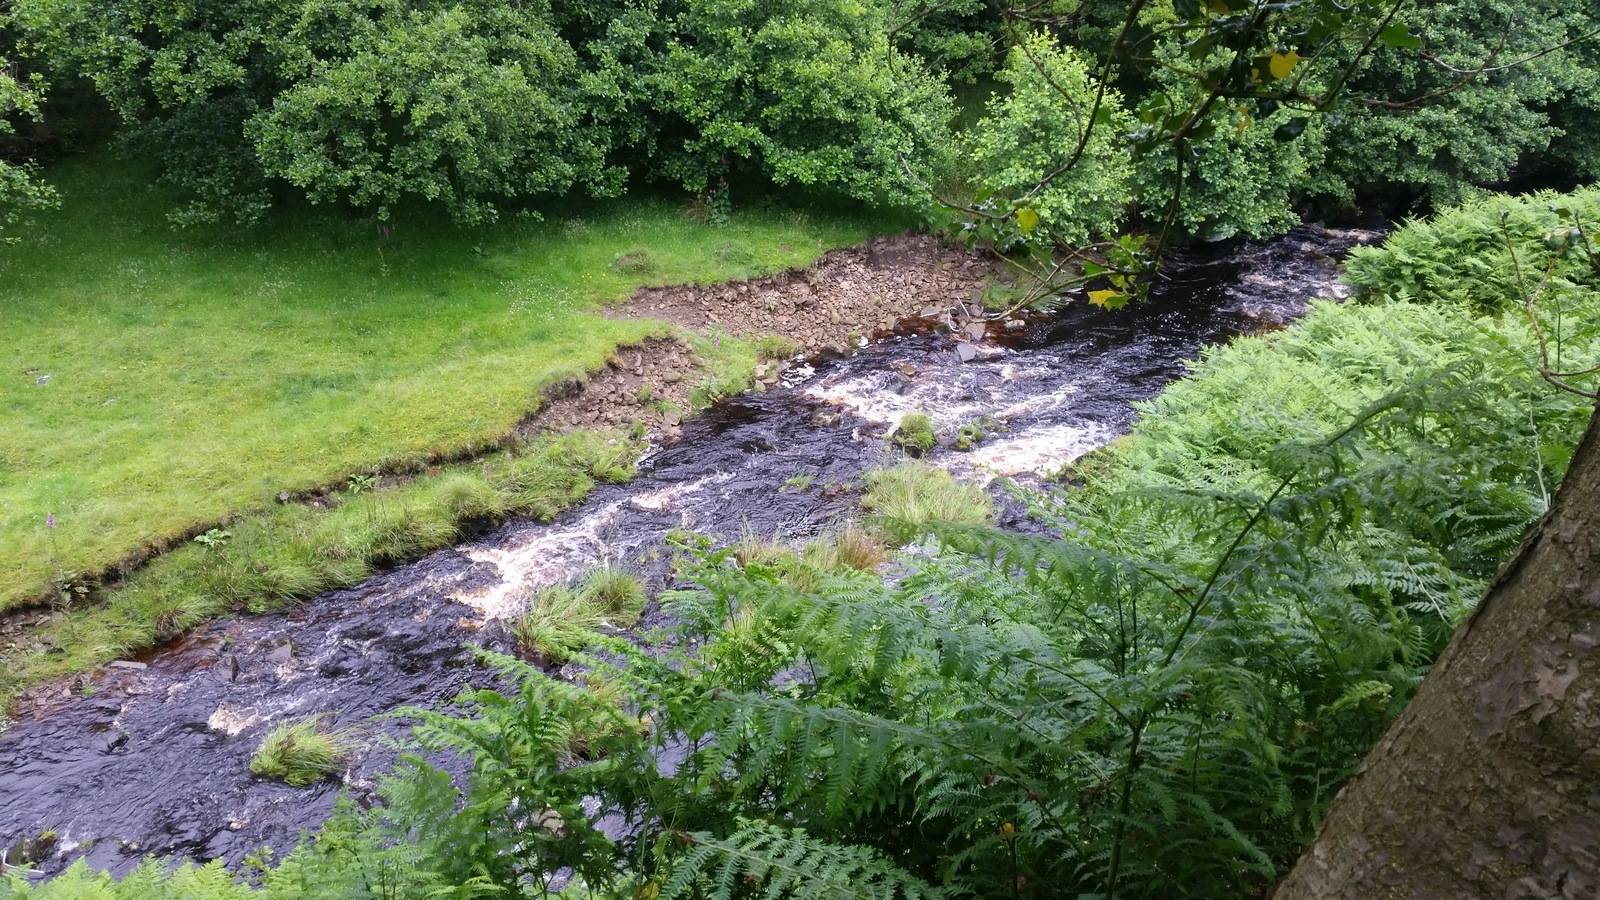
(968,436)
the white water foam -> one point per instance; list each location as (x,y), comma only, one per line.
(543,557)
(1040,451)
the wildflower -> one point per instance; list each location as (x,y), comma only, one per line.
(716,340)
(50,520)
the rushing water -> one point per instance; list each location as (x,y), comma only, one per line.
(155,759)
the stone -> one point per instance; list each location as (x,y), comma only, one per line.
(282,653)
(673,417)
(976,330)
(967,352)
(127,664)
(42,379)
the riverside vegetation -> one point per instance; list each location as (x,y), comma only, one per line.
(188,376)
(1158,700)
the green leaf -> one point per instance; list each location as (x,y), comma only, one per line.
(1027,220)
(1398,35)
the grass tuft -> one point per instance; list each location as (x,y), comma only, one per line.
(776,346)
(915,433)
(909,495)
(304,752)
(559,621)
(845,549)
(615,593)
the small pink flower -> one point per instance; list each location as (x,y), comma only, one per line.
(716,340)
(50,520)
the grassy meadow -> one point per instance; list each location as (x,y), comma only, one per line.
(194,375)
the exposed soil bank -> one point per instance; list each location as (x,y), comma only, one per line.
(846,295)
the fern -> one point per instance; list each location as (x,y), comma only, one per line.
(764,860)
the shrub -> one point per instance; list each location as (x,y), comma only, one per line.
(303,752)
(1460,256)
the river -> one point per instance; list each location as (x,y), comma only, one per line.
(154,757)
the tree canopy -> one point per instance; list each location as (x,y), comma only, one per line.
(1239,115)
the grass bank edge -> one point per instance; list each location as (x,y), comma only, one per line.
(200,374)
(336,535)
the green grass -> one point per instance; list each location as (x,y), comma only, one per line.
(911,494)
(303,752)
(915,433)
(195,375)
(559,620)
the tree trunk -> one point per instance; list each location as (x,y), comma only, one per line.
(1488,785)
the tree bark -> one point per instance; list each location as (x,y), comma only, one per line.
(1488,785)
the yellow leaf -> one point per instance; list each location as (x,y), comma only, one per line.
(1027,220)
(1282,64)
(1107,299)
(1218,7)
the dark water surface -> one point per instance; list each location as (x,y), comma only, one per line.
(156,759)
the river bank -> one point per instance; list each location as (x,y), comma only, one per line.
(155,759)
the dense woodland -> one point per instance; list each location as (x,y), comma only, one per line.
(1161,698)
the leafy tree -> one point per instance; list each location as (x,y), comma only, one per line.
(1044,144)
(21,188)
(809,93)
(461,103)
(1462,102)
